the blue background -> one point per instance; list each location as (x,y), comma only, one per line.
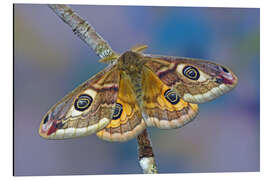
(49,62)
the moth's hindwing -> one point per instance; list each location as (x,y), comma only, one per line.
(196,81)
(85,110)
(164,107)
(127,121)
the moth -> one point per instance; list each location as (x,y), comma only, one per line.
(136,91)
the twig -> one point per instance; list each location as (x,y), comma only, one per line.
(83,30)
(145,153)
(87,33)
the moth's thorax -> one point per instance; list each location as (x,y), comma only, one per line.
(130,62)
(131,65)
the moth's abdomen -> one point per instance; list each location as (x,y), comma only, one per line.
(136,80)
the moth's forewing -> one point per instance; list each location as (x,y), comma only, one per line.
(85,110)
(196,81)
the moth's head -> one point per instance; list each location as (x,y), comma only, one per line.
(205,80)
(130,61)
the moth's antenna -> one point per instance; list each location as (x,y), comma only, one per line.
(139,48)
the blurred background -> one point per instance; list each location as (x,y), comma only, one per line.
(50,61)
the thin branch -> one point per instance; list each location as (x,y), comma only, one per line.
(88,34)
(83,30)
(145,153)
